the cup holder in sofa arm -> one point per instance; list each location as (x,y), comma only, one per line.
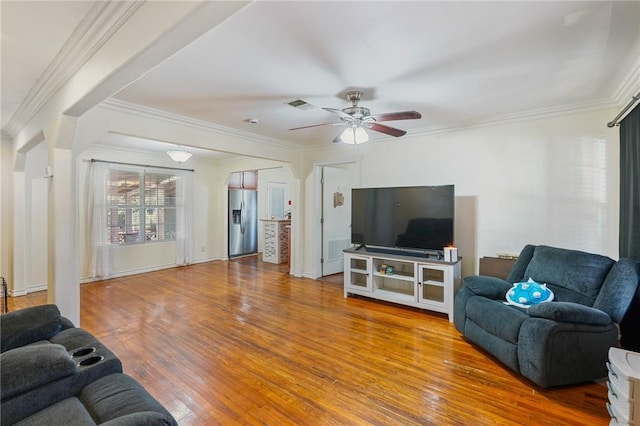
(79,353)
(92,360)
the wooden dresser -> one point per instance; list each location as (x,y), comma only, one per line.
(496,266)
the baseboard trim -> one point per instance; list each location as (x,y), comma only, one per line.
(141,271)
(25,291)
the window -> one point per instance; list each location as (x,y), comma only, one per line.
(276,191)
(141,206)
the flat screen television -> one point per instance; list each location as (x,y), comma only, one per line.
(415,218)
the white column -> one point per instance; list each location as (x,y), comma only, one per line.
(17,282)
(63,279)
(6,208)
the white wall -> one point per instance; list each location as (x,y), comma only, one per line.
(34,274)
(37,259)
(548,181)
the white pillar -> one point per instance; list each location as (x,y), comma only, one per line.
(63,279)
(6,209)
(17,282)
(63,276)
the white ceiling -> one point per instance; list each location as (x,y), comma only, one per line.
(457,63)
(32,35)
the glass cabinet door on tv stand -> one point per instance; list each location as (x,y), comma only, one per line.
(432,288)
(357,274)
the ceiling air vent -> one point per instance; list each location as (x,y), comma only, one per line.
(300,104)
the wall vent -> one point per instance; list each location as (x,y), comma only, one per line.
(335,247)
(300,104)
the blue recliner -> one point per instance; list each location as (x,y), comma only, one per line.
(565,341)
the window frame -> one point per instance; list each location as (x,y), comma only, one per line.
(118,231)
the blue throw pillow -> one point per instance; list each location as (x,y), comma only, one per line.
(528,293)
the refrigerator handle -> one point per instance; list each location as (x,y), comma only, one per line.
(242,217)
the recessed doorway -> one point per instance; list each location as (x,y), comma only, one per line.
(336,182)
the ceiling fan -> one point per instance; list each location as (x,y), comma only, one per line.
(359,118)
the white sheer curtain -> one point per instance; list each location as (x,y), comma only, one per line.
(99,260)
(184,217)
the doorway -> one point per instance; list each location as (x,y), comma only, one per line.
(336,182)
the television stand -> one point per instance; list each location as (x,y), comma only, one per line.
(406,279)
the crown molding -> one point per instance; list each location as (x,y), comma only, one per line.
(110,149)
(118,105)
(629,87)
(130,108)
(518,117)
(94,30)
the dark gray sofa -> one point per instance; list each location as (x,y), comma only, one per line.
(54,373)
(562,342)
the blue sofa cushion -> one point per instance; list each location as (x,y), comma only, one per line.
(581,273)
(496,318)
(31,367)
(29,325)
(66,412)
(517,271)
(570,312)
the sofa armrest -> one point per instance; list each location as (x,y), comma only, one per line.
(30,367)
(29,325)
(569,312)
(120,399)
(489,287)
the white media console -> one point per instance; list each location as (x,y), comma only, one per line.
(414,281)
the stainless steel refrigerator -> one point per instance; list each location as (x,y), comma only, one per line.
(243,222)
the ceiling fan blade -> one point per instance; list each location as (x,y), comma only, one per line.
(338,138)
(404,115)
(319,125)
(339,112)
(391,131)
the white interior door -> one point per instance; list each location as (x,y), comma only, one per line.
(337,181)
(277,194)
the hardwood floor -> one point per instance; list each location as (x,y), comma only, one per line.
(242,342)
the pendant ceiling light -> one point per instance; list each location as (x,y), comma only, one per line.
(179,155)
(354,135)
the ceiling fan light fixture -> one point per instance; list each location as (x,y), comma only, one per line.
(179,155)
(354,135)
